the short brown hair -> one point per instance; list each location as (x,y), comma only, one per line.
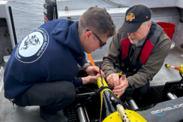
(97,20)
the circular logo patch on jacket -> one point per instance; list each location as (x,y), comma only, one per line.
(32,47)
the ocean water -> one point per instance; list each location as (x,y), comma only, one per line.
(27,14)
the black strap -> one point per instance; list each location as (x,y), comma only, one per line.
(86,66)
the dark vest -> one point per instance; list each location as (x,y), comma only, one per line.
(133,59)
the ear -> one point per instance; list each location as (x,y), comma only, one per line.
(88,34)
(149,24)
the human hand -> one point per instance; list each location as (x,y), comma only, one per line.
(90,79)
(113,80)
(93,70)
(120,89)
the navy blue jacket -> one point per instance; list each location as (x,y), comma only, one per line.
(50,53)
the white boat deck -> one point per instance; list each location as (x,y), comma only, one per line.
(174,58)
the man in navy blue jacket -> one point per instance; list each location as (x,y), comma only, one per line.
(43,65)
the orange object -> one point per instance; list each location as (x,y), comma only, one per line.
(180,68)
(168,65)
(91,59)
(130,17)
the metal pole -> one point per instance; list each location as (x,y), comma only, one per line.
(171,96)
(86,114)
(133,104)
(174,95)
(81,114)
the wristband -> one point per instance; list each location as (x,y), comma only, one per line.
(86,66)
